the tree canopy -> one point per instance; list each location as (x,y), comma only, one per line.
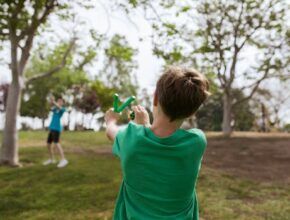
(242,42)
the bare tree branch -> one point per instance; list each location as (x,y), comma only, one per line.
(107,17)
(25,52)
(217,45)
(236,48)
(249,35)
(155,12)
(56,68)
(29,32)
(250,85)
(256,86)
(287,76)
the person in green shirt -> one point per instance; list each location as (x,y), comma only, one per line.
(160,162)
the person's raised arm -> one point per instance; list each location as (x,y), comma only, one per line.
(111,119)
(53,102)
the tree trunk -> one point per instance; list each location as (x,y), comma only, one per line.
(263,126)
(43,123)
(9,149)
(227,115)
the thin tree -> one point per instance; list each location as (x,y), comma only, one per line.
(219,34)
(19,22)
(230,28)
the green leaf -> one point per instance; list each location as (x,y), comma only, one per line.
(185,8)
(134,3)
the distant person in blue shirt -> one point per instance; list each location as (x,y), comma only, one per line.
(55,129)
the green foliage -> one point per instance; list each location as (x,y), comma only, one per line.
(171,28)
(34,100)
(119,51)
(119,66)
(87,57)
(36,105)
(88,102)
(24,17)
(243,116)
(185,8)
(212,79)
(133,2)
(241,24)
(287,128)
(105,94)
(215,33)
(205,49)
(210,116)
(172,57)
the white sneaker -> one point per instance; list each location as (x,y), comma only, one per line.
(62,163)
(49,161)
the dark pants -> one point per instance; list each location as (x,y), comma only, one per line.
(53,136)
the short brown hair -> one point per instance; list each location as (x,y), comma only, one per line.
(181,91)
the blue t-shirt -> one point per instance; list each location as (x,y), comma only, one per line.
(159,174)
(55,122)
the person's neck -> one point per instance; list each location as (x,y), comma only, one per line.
(163,127)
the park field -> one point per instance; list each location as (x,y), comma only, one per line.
(242,178)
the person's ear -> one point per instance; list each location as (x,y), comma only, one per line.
(155,99)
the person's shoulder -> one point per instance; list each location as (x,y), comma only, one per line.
(133,127)
(197,132)
(130,130)
(199,136)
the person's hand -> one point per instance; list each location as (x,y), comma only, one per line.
(111,116)
(52,99)
(141,115)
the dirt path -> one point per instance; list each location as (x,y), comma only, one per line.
(262,159)
(103,150)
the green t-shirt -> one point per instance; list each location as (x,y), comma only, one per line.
(159,174)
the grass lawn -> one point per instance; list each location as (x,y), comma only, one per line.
(87,139)
(87,188)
